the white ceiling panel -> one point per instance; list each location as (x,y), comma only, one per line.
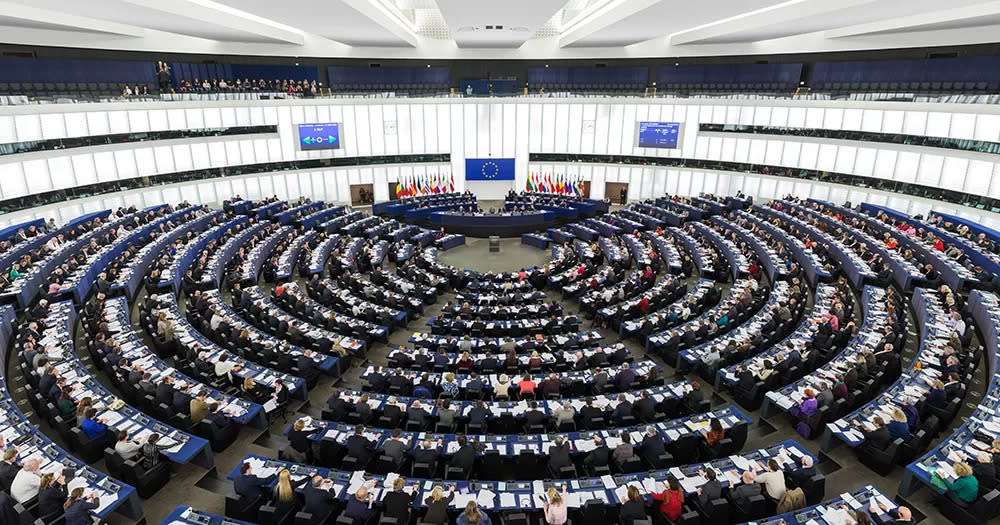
(664,18)
(332,19)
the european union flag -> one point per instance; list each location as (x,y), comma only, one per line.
(489,169)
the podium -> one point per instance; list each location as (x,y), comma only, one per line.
(494,243)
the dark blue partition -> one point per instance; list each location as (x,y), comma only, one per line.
(16,69)
(345,76)
(962,69)
(786,76)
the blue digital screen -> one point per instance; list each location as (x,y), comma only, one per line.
(319,136)
(659,134)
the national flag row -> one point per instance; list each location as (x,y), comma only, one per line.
(558,183)
(414,185)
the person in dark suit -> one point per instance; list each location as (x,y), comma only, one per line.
(623,410)
(307,367)
(599,457)
(339,407)
(985,472)
(559,454)
(710,490)
(534,416)
(953,387)
(182,401)
(879,438)
(360,447)
(249,486)
(397,503)
(51,495)
(652,446)
(396,447)
(465,457)
(358,506)
(478,413)
(801,476)
(8,469)
(693,399)
(417,414)
(900,515)
(377,380)
(165,391)
(624,378)
(319,500)
(742,493)
(589,412)
(645,407)
(426,453)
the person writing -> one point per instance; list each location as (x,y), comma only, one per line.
(965,489)
(633,507)
(672,498)
(76,510)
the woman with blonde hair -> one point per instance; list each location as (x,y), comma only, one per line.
(898,427)
(51,495)
(965,489)
(464,361)
(284,491)
(473,516)
(299,446)
(397,503)
(555,508)
(250,388)
(437,505)
(449,387)
(502,388)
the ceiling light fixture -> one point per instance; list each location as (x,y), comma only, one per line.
(245,15)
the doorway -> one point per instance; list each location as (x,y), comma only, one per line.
(616,192)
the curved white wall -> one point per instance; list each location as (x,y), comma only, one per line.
(504,128)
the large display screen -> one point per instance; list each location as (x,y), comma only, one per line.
(319,136)
(659,134)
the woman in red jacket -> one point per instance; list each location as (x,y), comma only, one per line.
(672,498)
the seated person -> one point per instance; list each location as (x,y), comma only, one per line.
(715,432)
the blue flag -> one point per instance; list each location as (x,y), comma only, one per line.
(489,169)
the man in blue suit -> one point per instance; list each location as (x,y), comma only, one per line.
(318,500)
(248,485)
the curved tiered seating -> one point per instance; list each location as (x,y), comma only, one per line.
(31,443)
(977,435)
(911,388)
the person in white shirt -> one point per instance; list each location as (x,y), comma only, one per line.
(224,366)
(126,448)
(26,482)
(215,321)
(773,480)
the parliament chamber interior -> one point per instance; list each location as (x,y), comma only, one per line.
(533,263)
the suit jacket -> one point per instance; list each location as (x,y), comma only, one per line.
(652,448)
(743,492)
(464,458)
(423,455)
(359,447)
(395,449)
(598,457)
(397,505)
(318,502)
(878,438)
(709,491)
(559,457)
(534,417)
(249,486)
